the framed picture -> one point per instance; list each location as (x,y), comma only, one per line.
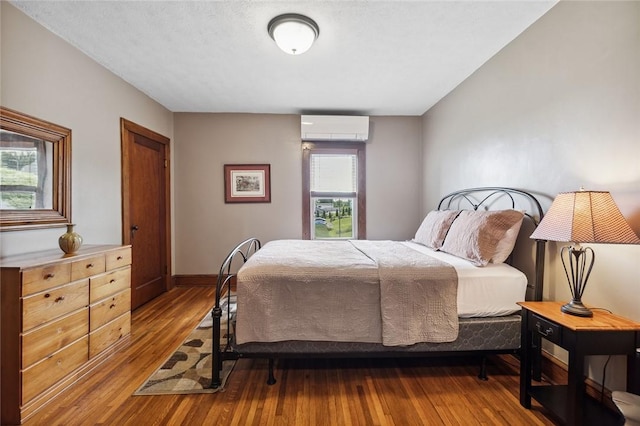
(247,183)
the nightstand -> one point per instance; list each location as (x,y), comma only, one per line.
(602,334)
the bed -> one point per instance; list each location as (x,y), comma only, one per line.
(451,290)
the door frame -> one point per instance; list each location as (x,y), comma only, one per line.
(127,129)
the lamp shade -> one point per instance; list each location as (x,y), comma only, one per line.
(293,33)
(585,217)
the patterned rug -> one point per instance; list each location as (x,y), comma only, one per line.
(188,369)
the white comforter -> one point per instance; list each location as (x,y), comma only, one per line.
(355,291)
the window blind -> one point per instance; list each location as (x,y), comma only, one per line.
(333,173)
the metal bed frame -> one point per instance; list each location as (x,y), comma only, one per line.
(473,198)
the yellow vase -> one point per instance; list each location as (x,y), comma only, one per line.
(70,241)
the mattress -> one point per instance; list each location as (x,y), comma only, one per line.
(487,291)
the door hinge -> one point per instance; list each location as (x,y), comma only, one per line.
(166,164)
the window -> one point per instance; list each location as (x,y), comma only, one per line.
(25,176)
(333,191)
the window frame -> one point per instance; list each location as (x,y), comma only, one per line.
(60,138)
(346,148)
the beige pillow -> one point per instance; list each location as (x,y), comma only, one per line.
(475,235)
(507,243)
(434,228)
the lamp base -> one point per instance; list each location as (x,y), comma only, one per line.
(575,307)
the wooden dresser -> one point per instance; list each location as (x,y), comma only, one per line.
(61,317)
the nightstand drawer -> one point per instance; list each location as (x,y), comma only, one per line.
(546,329)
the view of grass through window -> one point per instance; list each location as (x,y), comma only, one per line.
(333,217)
(18,178)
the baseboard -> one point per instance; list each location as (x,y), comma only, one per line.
(195,280)
(201,280)
(557,372)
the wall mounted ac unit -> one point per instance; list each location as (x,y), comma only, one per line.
(334,128)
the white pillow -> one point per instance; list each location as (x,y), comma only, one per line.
(434,228)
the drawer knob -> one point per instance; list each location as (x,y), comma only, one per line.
(112,281)
(547,332)
(49,276)
(119,258)
(59,299)
(89,265)
(113,305)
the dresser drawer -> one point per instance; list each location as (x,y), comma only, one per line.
(88,266)
(109,333)
(118,258)
(40,279)
(546,329)
(40,308)
(43,341)
(109,283)
(42,375)
(108,309)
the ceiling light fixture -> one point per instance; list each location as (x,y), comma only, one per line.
(293,33)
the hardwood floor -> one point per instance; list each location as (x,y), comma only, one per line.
(308,392)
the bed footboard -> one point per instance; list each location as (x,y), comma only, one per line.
(222,351)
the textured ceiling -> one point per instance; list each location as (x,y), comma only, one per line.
(373,58)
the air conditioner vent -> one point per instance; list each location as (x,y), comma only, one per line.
(317,128)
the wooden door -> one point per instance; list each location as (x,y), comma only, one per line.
(145,204)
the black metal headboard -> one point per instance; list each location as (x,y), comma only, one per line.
(493,198)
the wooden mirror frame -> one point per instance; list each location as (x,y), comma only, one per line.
(60,213)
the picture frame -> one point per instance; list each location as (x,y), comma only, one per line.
(247,183)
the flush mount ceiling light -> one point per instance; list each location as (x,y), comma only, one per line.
(293,33)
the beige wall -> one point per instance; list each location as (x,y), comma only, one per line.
(207,228)
(556,109)
(45,77)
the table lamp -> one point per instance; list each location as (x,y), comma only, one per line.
(583,217)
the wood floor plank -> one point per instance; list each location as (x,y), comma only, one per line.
(308,392)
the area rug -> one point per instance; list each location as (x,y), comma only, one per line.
(188,369)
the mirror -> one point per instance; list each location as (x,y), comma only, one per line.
(35,172)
